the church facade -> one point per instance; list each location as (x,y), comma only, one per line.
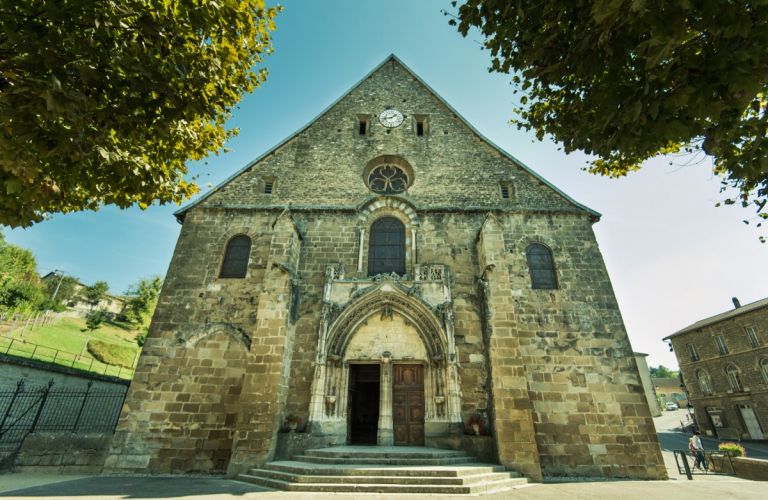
(385,275)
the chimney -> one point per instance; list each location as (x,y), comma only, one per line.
(736,303)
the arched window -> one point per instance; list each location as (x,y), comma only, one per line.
(235,262)
(541,266)
(734,379)
(701,376)
(386,248)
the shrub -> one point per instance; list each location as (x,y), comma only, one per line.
(735,448)
(112,354)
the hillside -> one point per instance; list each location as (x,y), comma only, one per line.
(112,348)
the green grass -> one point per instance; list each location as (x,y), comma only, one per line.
(63,342)
(112,354)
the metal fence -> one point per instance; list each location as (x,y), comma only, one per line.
(45,409)
(22,349)
(712,462)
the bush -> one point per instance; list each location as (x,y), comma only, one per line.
(735,448)
(112,354)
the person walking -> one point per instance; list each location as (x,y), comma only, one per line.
(698,450)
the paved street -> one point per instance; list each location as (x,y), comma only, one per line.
(703,487)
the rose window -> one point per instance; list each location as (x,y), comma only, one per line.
(388,179)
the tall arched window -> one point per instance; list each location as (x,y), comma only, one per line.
(701,376)
(734,379)
(541,266)
(386,248)
(235,263)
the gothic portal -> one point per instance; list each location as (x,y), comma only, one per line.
(385,274)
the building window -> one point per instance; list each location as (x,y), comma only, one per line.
(268,187)
(362,124)
(506,190)
(764,368)
(421,125)
(386,248)
(235,263)
(388,179)
(541,266)
(752,335)
(701,376)
(734,379)
(720,343)
(692,352)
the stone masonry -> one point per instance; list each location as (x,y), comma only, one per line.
(549,370)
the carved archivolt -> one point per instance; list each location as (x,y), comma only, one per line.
(383,301)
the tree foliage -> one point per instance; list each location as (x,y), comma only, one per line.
(662,372)
(97,292)
(103,101)
(142,300)
(627,80)
(67,288)
(94,320)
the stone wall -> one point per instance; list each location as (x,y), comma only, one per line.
(227,359)
(36,374)
(57,453)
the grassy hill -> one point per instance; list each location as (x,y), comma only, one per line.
(112,348)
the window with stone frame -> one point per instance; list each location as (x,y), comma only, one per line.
(388,179)
(541,266)
(764,369)
(386,247)
(692,351)
(235,263)
(734,378)
(703,379)
(722,349)
(754,340)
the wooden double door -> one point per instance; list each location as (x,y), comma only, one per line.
(408,404)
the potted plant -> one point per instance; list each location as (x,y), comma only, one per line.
(475,423)
(735,448)
(292,421)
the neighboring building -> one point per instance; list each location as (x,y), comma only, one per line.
(385,273)
(82,307)
(645,377)
(669,390)
(724,363)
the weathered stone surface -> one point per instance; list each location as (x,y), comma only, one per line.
(550,371)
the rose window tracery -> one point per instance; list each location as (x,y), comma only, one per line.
(388,179)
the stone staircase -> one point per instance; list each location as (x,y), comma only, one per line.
(384,469)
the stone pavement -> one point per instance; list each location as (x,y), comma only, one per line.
(703,487)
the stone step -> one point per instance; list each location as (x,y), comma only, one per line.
(305,468)
(480,487)
(382,460)
(389,479)
(384,452)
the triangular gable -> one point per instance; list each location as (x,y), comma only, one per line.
(179,214)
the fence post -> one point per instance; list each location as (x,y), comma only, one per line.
(80,412)
(26,325)
(19,388)
(34,323)
(15,319)
(46,391)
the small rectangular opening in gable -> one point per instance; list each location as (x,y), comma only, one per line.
(421,125)
(362,125)
(269,186)
(506,190)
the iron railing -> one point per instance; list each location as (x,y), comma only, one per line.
(22,349)
(714,462)
(44,409)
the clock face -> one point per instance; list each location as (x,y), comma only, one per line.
(391,118)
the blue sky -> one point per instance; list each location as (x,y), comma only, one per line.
(673,257)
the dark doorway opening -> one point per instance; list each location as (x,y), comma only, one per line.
(363,404)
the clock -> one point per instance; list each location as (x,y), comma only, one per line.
(391,118)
